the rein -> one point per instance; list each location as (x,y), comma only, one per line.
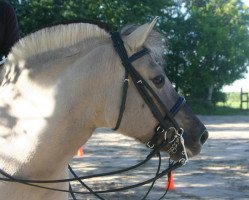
(173,136)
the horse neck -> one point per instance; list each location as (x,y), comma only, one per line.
(47,120)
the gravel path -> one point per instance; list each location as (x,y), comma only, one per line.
(221,171)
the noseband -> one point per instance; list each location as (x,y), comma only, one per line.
(167,133)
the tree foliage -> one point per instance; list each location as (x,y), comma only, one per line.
(207,40)
(219,43)
(208,45)
(36,14)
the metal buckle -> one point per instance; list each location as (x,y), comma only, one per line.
(183,161)
(180,132)
(165,135)
(149,145)
(160,129)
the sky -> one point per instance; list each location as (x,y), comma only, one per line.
(243,83)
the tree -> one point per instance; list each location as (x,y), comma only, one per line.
(215,49)
(207,40)
(34,14)
(176,29)
(207,44)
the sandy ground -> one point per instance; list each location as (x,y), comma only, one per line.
(221,171)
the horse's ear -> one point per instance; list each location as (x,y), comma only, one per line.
(137,38)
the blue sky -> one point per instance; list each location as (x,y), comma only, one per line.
(243,83)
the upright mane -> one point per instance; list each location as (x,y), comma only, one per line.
(56,37)
(69,33)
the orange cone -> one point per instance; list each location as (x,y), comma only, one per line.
(80,152)
(170,182)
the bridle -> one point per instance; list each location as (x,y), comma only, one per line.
(151,99)
(164,136)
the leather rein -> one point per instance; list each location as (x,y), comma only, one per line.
(172,137)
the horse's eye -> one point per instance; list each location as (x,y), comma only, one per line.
(159,81)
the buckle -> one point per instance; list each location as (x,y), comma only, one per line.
(159,129)
(149,145)
(183,161)
(180,132)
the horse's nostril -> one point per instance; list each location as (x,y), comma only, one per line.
(204,137)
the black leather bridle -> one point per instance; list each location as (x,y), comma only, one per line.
(156,106)
(167,132)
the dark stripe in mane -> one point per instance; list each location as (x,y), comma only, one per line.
(100,24)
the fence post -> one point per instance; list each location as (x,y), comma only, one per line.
(244,98)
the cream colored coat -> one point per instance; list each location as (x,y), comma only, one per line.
(59,84)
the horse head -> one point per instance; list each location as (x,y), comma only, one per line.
(139,120)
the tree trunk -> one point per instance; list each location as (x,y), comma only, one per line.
(210,93)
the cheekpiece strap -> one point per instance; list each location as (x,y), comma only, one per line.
(119,47)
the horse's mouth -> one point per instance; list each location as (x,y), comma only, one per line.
(178,155)
(192,148)
(179,149)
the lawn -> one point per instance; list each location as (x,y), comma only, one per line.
(230,107)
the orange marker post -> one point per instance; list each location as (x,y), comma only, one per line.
(80,152)
(170,185)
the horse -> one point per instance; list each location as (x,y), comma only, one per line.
(62,82)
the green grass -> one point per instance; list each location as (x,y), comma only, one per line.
(233,100)
(226,110)
(230,107)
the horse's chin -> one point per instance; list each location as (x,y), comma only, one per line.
(178,155)
(192,153)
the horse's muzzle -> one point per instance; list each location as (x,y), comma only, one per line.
(204,137)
